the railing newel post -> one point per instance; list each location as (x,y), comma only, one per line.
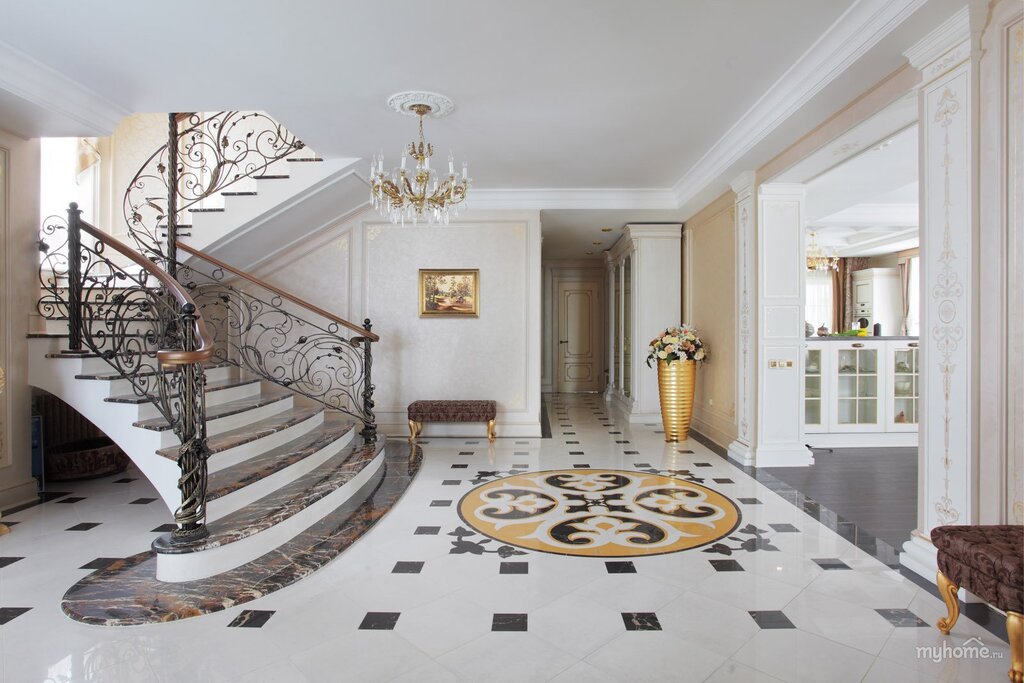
(193,452)
(369,432)
(74,279)
(172,194)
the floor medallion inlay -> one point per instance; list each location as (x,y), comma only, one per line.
(599,513)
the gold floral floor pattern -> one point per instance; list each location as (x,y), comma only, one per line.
(599,513)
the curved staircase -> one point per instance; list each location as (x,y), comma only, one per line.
(241,410)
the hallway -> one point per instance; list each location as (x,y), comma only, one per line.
(757,588)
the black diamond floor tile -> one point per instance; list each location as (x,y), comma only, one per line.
(8,613)
(902,618)
(440,503)
(514,568)
(83,526)
(8,561)
(749,501)
(379,621)
(831,563)
(251,618)
(71,499)
(142,501)
(407,568)
(726,565)
(509,622)
(126,480)
(460,466)
(641,621)
(164,528)
(427,531)
(723,480)
(451,482)
(771,619)
(784,528)
(620,567)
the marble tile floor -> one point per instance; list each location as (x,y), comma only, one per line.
(425,596)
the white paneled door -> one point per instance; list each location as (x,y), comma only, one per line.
(578,364)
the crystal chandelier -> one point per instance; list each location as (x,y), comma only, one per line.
(817,259)
(421,194)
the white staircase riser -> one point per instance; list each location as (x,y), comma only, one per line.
(192,566)
(122,387)
(226,424)
(241,453)
(236,500)
(148,410)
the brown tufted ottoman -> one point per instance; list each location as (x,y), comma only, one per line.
(452,411)
(989,562)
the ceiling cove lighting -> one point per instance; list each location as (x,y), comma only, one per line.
(420,194)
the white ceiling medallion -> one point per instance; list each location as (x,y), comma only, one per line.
(404,103)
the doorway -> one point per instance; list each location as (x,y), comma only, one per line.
(578,354)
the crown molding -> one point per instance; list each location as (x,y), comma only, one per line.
(944,38)
(35,82)
(581,198)
(859,29)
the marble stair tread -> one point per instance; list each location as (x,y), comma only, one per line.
(253,431)
(283,503)
(211,387)
(114,376)
(254,469)
(127,592)
(159,424)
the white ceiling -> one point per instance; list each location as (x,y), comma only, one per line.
(866,204)
(571,233)
(662,101)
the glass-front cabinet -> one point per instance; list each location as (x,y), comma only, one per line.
(904,394)
(812,391)
(627,326)
(861,391)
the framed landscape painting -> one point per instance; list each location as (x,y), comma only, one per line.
(449,292)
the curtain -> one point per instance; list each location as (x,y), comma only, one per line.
(88,156)
(838,297)
(904,266)
(853,263)
(818,302)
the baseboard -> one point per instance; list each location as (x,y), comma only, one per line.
(785,456)
(741,453)
(720,438)
(463,430)
(19,494)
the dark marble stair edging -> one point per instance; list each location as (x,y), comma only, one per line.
(127,593)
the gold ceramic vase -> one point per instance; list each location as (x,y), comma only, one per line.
(675,384)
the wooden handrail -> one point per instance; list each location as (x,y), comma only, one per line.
(280,292)
(205,349)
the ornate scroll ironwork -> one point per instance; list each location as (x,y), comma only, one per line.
(211,153)
(260,333)
(126,315)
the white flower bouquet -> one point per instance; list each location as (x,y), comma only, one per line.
(677,343)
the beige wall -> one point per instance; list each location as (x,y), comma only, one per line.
(709,296)
(19,260)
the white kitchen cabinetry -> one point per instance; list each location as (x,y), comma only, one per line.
(861,391)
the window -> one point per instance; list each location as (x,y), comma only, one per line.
(818,306)
(60,183)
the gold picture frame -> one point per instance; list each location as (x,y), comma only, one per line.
(449,292)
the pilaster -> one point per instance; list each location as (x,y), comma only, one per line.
(746,297)
(779,434)
(948,435)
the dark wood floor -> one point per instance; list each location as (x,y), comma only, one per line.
(875,488)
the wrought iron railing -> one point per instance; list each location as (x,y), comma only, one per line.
(276,335)
(145,325)
(209,154)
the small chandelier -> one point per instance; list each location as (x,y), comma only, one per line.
(421,194)
(817,259)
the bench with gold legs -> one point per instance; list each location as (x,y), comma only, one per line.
(452,411)
(988,561)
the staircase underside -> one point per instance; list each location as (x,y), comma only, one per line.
(127,592)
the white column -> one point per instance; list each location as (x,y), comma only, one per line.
(948,427)
(779,433)
(746,297)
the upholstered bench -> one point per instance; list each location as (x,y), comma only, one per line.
(452,411)
(988,561)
